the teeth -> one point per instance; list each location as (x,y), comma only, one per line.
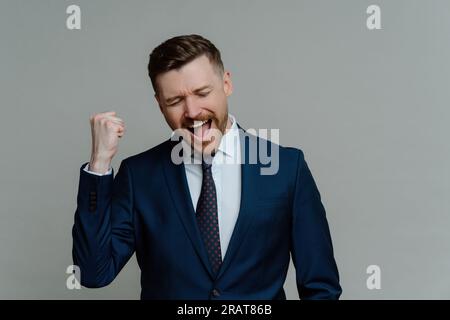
(198,124)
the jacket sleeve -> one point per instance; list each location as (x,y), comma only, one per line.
(311,247)
(103,232)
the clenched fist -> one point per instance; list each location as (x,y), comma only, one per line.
(106,129)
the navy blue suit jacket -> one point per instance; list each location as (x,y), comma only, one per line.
(147,209)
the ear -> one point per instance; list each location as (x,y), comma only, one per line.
(227,83)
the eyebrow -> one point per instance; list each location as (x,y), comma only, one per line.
(171,99)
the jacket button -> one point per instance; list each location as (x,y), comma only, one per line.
(215,293)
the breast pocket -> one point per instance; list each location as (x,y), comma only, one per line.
(272,200)
(270,212)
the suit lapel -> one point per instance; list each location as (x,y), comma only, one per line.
(249,174)
(179,191)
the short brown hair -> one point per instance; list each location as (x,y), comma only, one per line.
(178,51)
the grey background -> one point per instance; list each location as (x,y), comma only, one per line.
(368,108)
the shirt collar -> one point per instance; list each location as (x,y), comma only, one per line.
(230,140)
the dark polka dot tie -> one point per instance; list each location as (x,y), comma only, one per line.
(207,218)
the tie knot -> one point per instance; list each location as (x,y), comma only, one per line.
(206,166)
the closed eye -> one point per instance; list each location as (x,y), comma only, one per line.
(174,103)
(203,94)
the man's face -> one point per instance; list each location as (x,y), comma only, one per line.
(193,101)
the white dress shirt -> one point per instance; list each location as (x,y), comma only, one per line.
(226,171)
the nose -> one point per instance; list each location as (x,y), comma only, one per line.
(192,110)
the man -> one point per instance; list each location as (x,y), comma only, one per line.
(203,225)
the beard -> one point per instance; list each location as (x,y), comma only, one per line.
(204,133)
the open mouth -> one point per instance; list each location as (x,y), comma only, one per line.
(200,129)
